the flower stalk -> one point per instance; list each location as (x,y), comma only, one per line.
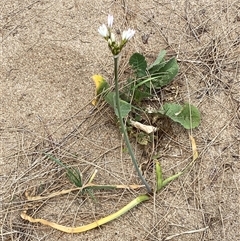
(116,48)
(123,127)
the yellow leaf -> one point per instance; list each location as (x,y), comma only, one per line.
(90,226)
(101,85)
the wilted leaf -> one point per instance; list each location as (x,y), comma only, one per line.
(90,226)
(194,148)
(187,115)
(146,128)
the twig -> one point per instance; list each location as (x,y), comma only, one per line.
(187,232)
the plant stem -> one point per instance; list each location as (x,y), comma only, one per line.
(123,128)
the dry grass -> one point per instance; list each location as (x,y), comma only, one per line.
(49,51)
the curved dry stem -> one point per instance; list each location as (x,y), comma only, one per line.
(87,186)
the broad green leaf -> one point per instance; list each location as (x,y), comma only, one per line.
(101,86)
(164,75)
(140,95)
(109,98)
(158,63)
(139,64)
(187,115)
(125,107)
(168,72)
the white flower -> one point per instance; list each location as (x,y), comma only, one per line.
(106,33)
(128,34)
(110,21)
(103,30)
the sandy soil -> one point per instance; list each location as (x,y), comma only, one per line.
(49,51)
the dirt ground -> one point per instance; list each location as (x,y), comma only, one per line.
(49,51)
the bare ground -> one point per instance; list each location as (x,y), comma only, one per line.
(49,51)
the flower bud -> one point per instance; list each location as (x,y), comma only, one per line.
(113,37)
(110,21)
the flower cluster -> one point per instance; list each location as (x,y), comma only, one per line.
(107,34)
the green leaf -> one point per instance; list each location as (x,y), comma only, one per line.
(109,98)
(168,72)
(159,175)
(158,63)
(125,107)
(171,178)
(187,115)
(164,75)
(72,174)
(139,95)
(139,64)
(142,138)
(74,177)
